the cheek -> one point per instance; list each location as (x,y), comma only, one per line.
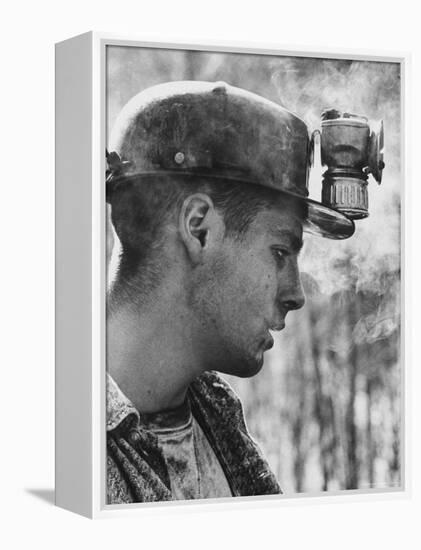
(237,291)
(259,276)
(265,294)
(213,290)
(254,289)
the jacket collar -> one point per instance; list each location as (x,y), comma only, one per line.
(119,407)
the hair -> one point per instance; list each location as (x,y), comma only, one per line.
(143,207)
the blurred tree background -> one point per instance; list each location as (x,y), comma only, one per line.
(327,406)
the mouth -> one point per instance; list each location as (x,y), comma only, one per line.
(268,344)
(269,341)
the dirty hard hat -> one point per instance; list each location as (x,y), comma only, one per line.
(221,132)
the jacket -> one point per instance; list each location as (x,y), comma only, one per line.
(136,469)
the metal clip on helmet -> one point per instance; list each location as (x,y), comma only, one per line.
(221,132)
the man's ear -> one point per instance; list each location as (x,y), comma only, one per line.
(200,225)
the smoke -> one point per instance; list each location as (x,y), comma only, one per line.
(308,86)
(368,264)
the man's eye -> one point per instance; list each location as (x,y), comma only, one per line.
(281,254)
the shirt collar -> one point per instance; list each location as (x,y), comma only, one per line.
(119,407)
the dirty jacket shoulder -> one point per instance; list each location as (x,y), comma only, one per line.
(136,469)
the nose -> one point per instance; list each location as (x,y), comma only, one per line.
(296,303)
(292,295)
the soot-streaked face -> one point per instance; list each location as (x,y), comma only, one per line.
(251,286)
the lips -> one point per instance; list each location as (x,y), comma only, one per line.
(267,343)
(274,328)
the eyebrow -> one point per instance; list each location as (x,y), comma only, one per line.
(295,242)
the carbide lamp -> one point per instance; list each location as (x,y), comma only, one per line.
(351,147)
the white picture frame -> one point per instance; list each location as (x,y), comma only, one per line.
(81,275)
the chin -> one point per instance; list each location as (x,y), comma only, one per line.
(252,370)
(245,368)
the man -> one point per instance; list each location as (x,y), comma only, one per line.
(208,191)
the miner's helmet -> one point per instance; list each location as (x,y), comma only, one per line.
(217,131)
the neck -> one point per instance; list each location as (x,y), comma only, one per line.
(148,357)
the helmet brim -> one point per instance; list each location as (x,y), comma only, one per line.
(325,221)
(320,219)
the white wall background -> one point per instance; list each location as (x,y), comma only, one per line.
(28,33)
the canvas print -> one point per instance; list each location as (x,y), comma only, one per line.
(253,275)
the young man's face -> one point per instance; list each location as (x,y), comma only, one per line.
(252,285)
